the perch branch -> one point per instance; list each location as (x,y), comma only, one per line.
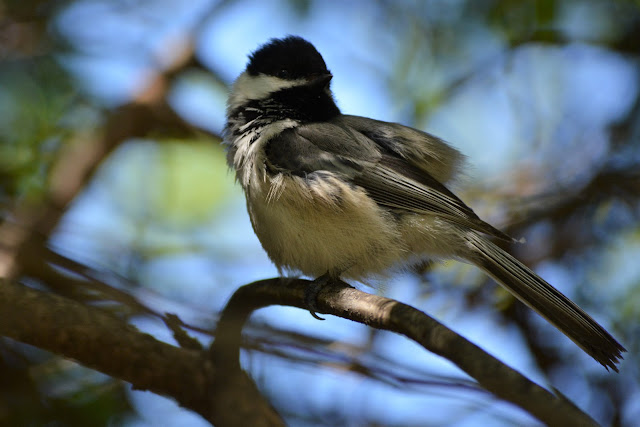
(382,313)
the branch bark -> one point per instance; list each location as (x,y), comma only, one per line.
(214,385)
(103,342)
(349,303)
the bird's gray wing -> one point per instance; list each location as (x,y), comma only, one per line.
(390,180)
(396,184)
(320,147)
(421,149)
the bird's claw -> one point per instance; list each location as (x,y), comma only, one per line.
(311,294)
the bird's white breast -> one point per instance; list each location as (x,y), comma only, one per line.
(322,226)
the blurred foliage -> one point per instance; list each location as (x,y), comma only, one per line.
(180,184)
(37,103)
(39,390)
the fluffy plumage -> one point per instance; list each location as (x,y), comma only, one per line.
(354,197)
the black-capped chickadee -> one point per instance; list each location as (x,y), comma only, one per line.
(332,195)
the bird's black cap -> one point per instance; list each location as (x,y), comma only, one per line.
(289,58)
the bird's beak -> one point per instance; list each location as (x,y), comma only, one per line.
(321,79)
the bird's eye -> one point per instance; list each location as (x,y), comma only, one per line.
(283,74)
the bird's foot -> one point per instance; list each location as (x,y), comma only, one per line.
(312,291)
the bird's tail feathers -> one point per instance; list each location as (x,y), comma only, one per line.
(547,301)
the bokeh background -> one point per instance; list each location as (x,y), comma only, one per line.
(542,96)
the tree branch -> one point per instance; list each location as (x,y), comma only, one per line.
(103,342)
(349,303)
(216,387)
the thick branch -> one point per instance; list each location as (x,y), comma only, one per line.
(103,342)
(387,314)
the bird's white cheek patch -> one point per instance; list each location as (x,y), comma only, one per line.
(247,88)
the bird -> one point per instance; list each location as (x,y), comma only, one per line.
(335,196)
